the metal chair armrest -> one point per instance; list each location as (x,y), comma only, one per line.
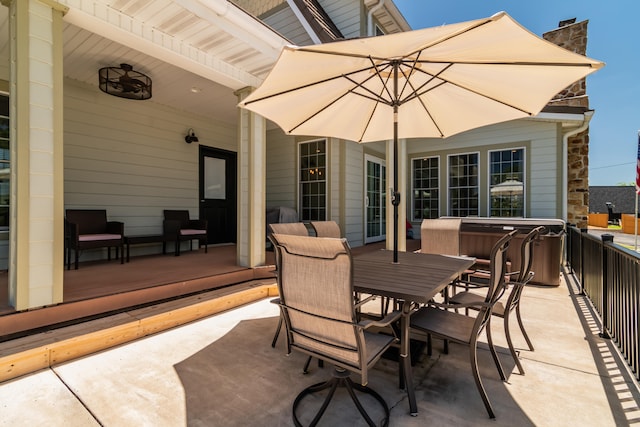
(386,321)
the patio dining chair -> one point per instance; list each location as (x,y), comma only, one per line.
(515,280)
(326,229)
(436,320)
(292,228)
(321,321)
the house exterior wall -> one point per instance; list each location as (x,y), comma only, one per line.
(285,22)
(346,14)
(542,174)
(354,192)
(282,164)
(130,158)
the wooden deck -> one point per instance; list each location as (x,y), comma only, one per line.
(106,287)
(102,287)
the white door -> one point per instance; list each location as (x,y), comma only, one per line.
(375,200)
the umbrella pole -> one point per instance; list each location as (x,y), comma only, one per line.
(396,194)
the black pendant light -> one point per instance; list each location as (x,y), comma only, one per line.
(125,82)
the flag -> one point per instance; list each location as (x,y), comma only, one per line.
(638,167)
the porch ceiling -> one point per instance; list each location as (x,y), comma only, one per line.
(210,47)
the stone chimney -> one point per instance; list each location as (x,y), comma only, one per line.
(573,36)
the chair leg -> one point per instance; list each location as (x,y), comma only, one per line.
(494,354)
(305,369)
(473,355)
(76,256)
(275,337)
(524,333)
(340,379)
(510,343)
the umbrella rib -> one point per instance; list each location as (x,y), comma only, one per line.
(417,94)
(374,96)
(451,36)
(319,82)
(516,63)
(324,107)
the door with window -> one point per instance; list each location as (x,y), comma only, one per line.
(375,201)
(218,193)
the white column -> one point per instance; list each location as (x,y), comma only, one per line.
(252,166)
(37,190)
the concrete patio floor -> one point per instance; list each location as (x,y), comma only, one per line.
(222,371)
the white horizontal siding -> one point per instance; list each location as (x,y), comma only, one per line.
(354,194)
(281,182)
(541,140)
(286,23)
(130,158)
(346,14)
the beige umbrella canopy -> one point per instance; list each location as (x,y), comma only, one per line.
(434,82)
(508,187)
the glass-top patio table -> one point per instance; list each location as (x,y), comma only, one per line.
(416,278)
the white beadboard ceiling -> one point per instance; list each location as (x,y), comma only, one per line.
(197,52)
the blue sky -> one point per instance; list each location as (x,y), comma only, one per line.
(614,91)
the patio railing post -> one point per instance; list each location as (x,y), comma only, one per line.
(583,231)
(607,239)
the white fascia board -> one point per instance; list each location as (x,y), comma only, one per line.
(561,117)
(238,24)
(568,118)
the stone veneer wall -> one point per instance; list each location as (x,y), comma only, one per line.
(573,37)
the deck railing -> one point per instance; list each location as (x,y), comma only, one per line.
(610,277)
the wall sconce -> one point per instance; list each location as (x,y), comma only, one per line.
(191,136)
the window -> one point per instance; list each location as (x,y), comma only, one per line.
(463,185)
(4,162)
(426,185)
(506,183)
(313,181)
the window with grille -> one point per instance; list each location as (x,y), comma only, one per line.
(506,183)
(313,180)
(463,185)
(426,184)
(4,162)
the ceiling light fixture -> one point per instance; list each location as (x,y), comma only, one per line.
(124,82)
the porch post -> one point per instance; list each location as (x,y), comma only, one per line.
(252,166)
(404,195)
(36,236)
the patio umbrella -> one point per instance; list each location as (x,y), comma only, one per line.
(509,187)
(434,82)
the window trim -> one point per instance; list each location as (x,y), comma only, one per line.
(524,179)
(326,180)
(412,187)
(448,187)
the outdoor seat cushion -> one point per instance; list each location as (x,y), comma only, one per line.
(98,237)
(191,232)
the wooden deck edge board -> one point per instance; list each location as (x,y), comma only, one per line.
(131,326)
